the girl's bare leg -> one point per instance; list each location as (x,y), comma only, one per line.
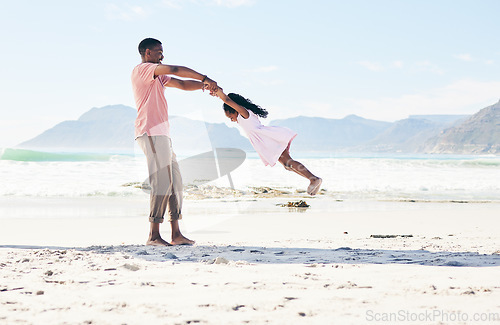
(301,170)
(295,166)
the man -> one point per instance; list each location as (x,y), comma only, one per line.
(152,133)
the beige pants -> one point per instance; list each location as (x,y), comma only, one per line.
(164,178)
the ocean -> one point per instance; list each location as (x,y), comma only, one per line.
(392,177)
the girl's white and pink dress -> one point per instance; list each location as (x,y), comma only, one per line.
(268,141)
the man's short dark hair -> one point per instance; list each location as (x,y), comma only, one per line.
(148,43)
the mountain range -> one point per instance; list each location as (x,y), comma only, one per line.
(479,134)
(111,128)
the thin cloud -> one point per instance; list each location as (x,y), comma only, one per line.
(429,67)
(398,64)
(419,66)
(264,69)
(372,66)
(460,97)
(469,58)
(271,83)
(175,4)
(277,112)
(125,12)
(263,75)
(464,57)
(234,3)
(315,108)
(178,4)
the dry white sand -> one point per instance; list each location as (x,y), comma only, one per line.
(253,262)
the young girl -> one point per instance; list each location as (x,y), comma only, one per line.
(272,143)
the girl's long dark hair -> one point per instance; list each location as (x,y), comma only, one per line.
(247,103)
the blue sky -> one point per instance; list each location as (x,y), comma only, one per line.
(378,59)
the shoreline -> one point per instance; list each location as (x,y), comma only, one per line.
(56,220)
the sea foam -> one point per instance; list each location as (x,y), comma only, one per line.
(465,178)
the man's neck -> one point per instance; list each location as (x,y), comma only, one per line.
(144,60)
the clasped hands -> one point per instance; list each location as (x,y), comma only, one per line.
(211,86)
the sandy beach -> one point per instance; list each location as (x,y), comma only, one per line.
(228,113)
(255,262)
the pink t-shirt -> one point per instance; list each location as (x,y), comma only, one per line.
(152,108)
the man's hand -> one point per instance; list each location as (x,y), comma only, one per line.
(210,85)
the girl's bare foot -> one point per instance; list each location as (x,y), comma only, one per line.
(314,186)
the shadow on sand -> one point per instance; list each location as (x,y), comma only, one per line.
(281,255)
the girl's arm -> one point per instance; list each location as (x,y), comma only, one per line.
(240,109)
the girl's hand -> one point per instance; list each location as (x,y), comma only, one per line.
(220,93)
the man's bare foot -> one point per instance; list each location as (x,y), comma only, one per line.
(314,186)
(181,240)
(157,242)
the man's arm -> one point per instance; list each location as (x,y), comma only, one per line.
(185,84)
(185,72)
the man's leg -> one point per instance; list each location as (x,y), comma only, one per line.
(154,238)
(175,205)
(158,189)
